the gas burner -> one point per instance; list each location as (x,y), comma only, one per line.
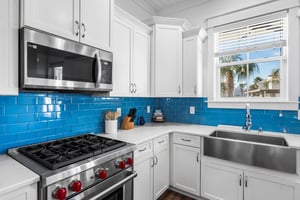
(63,152)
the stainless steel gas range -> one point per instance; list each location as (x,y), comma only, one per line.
(85,167)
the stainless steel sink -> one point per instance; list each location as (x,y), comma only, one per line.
(256,150)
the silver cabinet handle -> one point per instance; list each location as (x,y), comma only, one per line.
(195,90)
(186,140)
(161,141)
(246,181)
(179,89)
(240,180)
(131,88)
(156,160)
(153,162)
(134,88)
(198,155)
(84,30)
(76,28)
(144,149)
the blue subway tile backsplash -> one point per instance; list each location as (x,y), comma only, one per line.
(38,117)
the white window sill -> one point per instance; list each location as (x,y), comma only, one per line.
(262,105)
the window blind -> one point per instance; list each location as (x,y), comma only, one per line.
(259,36)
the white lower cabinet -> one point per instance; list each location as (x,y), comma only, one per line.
(186,163)
(152,167)
(143,165)
(161,165)
(28,192)
(261,187)
(220,182)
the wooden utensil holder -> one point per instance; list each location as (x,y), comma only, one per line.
(127,124)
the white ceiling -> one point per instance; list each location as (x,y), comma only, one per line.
(157,7)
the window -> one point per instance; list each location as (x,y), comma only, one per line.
(250,59)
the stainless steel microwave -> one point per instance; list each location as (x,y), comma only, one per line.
(54,63)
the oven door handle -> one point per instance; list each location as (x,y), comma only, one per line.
(111,188)
(98,69)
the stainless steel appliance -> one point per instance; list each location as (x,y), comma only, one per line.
(51,62)
(85,167)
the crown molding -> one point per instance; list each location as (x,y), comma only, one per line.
(185,24)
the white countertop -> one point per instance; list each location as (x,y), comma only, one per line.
(14,175)
(149,131)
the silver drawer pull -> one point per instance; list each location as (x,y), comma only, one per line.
(161,141)
(144,149)
(186,140)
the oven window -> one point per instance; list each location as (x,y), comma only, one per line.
(117,195)
(48,63)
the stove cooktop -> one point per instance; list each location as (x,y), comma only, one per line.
(63,152)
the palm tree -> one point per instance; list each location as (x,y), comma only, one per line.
(255,83)
(240,71)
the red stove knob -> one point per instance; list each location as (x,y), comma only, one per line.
(60,193)
(76,186)
(122,164)
(130,161)
(102,174)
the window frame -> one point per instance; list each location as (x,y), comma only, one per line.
(290,101)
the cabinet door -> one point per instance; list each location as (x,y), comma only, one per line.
(186,168)
(168,60)
(141,62)
(192,63)
(262,187)
(26,193)
(122,58)
(221,183)
(9,24)
(143,183)
(55,16)
(161,172)
(96,19)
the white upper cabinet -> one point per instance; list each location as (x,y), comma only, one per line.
(9,29)
(192,65)
(131,49)
(55,16)
(122,58)
(96,20)
(167,61)
(141,63)
(86,21)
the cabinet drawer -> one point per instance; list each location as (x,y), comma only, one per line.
(161,143)
(185,139)
(143,150)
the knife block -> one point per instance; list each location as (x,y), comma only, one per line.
(127,124)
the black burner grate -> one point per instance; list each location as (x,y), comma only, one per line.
(60,153)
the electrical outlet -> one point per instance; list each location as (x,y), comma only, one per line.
(298,114)
(148,109)
(119,110)
(192,110)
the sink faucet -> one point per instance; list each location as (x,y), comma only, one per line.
(248,121)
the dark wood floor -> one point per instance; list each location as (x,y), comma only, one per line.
(171,195)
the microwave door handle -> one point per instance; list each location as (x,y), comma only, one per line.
(98,69)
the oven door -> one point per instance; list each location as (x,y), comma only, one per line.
(118,187)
